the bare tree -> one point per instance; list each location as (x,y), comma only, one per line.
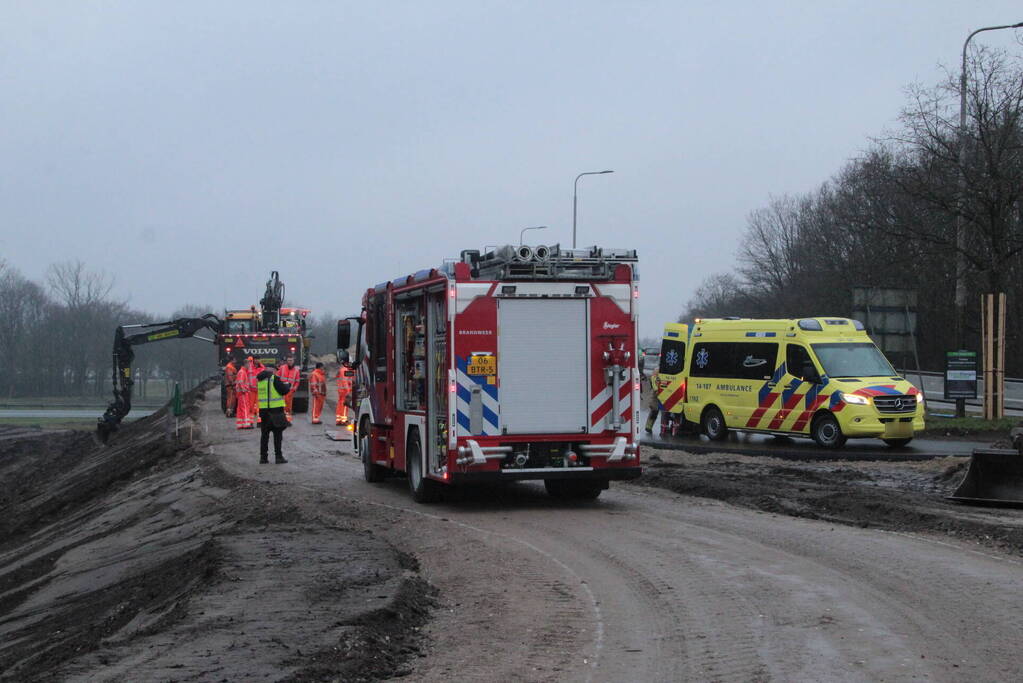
(76,287)
(21,302)
(87,317)
(719,295)
(928,168)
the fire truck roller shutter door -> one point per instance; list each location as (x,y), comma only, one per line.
(542,365)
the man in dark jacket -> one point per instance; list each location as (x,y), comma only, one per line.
(270,391)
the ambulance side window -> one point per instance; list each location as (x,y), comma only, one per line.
(755,360)
(673,355)
(734,360)
(798,363)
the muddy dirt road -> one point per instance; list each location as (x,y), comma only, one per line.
(645,585)
(280,572)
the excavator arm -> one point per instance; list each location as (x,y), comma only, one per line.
(124,355)
(271,303)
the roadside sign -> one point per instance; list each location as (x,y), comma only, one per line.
(960,374)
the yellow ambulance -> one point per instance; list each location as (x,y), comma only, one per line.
(817,377)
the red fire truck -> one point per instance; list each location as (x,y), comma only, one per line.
(518,363)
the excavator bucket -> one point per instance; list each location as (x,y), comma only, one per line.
(995,477)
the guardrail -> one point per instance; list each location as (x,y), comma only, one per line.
(933,385)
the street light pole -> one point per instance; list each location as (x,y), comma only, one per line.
(523,231)
(961,263)
(575,198)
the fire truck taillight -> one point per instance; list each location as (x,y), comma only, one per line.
(635,292)
(452,387)
(637,386)
(292,348)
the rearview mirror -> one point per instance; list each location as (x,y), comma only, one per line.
(344,334)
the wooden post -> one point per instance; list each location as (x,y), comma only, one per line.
(987,344)
(992,318)
(1000,376)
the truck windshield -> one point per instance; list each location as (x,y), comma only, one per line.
(853,360)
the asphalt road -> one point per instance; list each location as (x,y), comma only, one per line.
(646,585)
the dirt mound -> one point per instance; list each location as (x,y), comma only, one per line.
(145,560)
(893,496)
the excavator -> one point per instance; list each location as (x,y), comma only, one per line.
(124,354)
(995,475)
(268,334)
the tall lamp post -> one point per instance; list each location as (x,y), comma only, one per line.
(961,264)
(575,198)
(523,231)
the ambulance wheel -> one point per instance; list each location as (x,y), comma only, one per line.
(300,405)
(713,424)
(373,473)
(423,490)
(826,432)
(897,443)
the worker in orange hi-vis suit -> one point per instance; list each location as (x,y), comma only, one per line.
(318,389)
(230,398)
(292,374)
(244,419)
(344,388)
(254,367)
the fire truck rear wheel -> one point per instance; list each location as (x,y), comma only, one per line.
(423,490)
(713,423)
(373,473)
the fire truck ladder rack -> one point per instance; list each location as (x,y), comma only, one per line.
(547,263)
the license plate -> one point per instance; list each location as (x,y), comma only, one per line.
(898,430)
(482,365)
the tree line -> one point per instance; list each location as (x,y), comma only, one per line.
(888,219)
(57,337)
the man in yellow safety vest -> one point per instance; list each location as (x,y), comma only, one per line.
(270,392)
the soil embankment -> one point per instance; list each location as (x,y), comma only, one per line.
(144,560)
(895,496)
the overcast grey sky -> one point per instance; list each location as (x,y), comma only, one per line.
(188,148)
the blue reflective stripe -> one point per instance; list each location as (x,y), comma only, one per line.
(463,420)
(490,416)
(786,395)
